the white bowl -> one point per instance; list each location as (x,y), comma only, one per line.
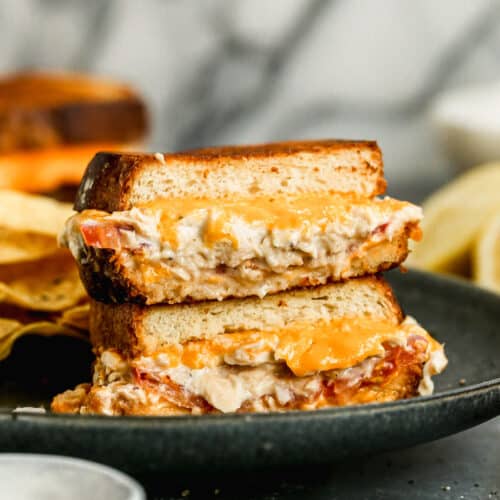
(468,124)
(50,477)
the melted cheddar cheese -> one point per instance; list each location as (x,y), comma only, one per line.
(55,166)
(319,221)
(305,348)
(296,212)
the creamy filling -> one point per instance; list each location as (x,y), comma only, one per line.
(304,347)
(436,364)
(228,389)
(217,240)
(225,388)
(246,376)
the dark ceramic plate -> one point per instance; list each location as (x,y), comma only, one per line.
(465,318)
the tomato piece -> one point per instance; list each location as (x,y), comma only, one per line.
(380,229)
(101,235)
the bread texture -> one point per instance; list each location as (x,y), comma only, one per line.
(137,330)
(39,110)
(114,182)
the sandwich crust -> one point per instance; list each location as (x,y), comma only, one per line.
(115,182)
(220,154)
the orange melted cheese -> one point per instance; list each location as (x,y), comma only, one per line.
(44,169)
(305,348)
(282,212)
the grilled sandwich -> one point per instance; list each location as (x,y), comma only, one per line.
(244,279)
(333,345)
(235,221)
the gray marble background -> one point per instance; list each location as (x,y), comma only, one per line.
(235,71)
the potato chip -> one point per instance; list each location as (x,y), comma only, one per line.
(16,322)
(40,290)
(486,254)
(453,217)
(48,284)
(25,316)
(18,246)
(32,213)
(76,317)
(11,330)
(7,327)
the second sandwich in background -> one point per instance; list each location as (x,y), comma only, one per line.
(52,124)
(249,222)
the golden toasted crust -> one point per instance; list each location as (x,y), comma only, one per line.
(110,181)
(42,110)
(107,180)
(128,327)
(286,148)
(117,326)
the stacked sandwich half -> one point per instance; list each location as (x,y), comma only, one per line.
(243,279)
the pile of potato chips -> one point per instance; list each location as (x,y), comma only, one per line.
(40,290)
(462,228)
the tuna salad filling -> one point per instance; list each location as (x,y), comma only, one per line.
(196,241)
(259,380)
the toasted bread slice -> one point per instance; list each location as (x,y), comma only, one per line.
(137,330)
(116,182)
(39,110)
